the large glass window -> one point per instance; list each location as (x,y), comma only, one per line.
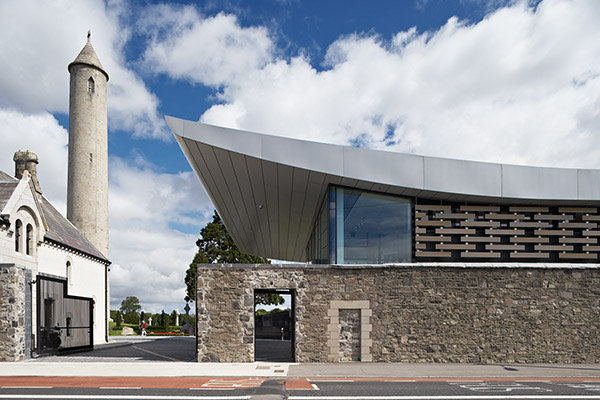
(369,227)
(317,248)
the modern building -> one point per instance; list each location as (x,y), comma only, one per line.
(409,258)
(54,285)
(295,200)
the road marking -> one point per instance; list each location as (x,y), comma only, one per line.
(118,397)
(590,387)
(469,397)
(299,384)
(26,387)
(498,387)
(156,354)
(116,387)
(206,388)
(233,383)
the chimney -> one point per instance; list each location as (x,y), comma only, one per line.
(26,160)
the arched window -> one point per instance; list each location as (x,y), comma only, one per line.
(91,85)
(69,319)
(18,233)
(29,240)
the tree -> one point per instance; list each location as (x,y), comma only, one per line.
(164,318)
(215,246)
(130,307)
(268,298)
(130,304)
(173,317)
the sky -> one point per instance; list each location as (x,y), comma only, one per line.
(500,81)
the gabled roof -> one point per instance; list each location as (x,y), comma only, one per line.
(88,56)
(59,230)
(62,231)
(7,188)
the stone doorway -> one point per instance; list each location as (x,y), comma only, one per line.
(274,325)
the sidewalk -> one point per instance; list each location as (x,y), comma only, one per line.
(426,370)
(263,369)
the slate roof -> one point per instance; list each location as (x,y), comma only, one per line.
(60,230)
(5,177)
(6,190)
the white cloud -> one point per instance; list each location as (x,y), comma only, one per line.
(149,211)
(150,254)
(40,38)
(41,134)
(520,86)
(213,51)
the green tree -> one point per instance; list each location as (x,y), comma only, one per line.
(165,320)
(268,298)
(173,317)
(215,246)
(130,307)
(130,304)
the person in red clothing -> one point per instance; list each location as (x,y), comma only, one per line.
(143,328)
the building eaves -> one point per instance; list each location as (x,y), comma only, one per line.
(63,232)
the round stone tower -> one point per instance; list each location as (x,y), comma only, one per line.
(87,194)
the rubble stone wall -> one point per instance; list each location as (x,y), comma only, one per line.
(12,313)
(411,313)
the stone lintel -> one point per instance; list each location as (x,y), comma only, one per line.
(349,304)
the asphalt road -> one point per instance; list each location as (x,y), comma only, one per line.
(273,350)
(177,348)
(273,389)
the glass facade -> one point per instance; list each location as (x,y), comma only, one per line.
(362,228)
(318,244)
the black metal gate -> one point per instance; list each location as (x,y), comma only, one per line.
(64,323)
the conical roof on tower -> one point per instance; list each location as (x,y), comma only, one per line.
(88,56)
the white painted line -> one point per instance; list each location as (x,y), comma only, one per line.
(399,381)
(26,387)
(118,397)
(210,388)
(315,386)
(461,397)
(331,380)
(116,387)
(453,381)
(155,354)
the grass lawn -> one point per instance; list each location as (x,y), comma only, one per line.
(113,330)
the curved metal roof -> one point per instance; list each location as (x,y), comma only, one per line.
(268,189)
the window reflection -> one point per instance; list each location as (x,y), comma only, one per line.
(371,228)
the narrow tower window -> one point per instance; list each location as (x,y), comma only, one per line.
(18,233)
(69,281)
(29,240)
(91,86)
